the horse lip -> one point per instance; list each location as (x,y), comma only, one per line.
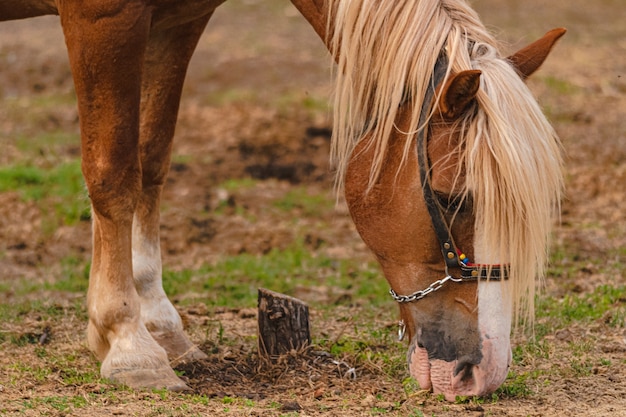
(419,364)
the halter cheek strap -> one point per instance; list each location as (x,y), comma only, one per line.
(453,258)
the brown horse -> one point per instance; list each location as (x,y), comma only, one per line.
(486,173)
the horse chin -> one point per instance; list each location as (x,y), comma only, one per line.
(460,377)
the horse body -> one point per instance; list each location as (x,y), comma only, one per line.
(129,59)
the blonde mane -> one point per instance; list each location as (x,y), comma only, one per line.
(386,52)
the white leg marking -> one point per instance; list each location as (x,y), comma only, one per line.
(157,312)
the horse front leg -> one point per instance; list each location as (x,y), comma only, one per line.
(167,56)
(106,41)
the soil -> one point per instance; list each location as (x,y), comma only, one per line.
(238,120)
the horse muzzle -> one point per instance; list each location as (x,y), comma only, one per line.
(473,374)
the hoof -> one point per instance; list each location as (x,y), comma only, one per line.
(178,347)
(149,378)
(192,355)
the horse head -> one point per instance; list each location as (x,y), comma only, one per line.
(458,329)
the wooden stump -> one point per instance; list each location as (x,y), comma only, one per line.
(283,324)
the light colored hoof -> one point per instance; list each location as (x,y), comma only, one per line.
(178,347)
(192,355)
(149,379)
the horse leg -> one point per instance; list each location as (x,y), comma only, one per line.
(167,56)
(22,9)
(106,41)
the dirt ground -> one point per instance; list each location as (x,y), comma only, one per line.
(238,120)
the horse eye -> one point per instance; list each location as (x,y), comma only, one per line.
(452,202)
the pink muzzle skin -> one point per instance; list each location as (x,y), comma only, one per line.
(456,378)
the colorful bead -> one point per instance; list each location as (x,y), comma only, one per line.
(462,257)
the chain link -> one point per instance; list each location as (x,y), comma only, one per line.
(418,295)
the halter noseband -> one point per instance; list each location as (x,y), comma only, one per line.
(452,257)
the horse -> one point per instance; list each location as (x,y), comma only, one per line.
(449,168)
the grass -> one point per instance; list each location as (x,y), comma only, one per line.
(516,385)
(604,307)
(47,148)
(368,345)
(73,278)
(237,184)
(39,112)
(606,302)
(560,86)
(284,101)
(280,270)
(573,356)
(304,201)
(57,403)
(59,192)
(233,281)
(156,403)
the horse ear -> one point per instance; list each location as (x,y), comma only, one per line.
(458,92)
(528,60)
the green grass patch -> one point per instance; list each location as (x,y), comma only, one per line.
(236,184)
(74,276)
(310,204)
(367,351)
(22,370)
(47,148)
(234,280)
(36,109)
(35,183)
(59,191)
(516,385)
(44,310)
(224,97)
(288,101)
(18,177)
(560,86)
(606,301)
(534,349)
(52,101)
(62,404)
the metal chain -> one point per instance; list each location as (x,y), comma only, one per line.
(418,295)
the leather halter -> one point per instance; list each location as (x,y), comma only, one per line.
(449,251)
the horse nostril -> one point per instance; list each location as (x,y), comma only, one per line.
(464,367)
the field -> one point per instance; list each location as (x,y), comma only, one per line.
(249,204)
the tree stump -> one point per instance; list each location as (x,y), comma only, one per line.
(283,324)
